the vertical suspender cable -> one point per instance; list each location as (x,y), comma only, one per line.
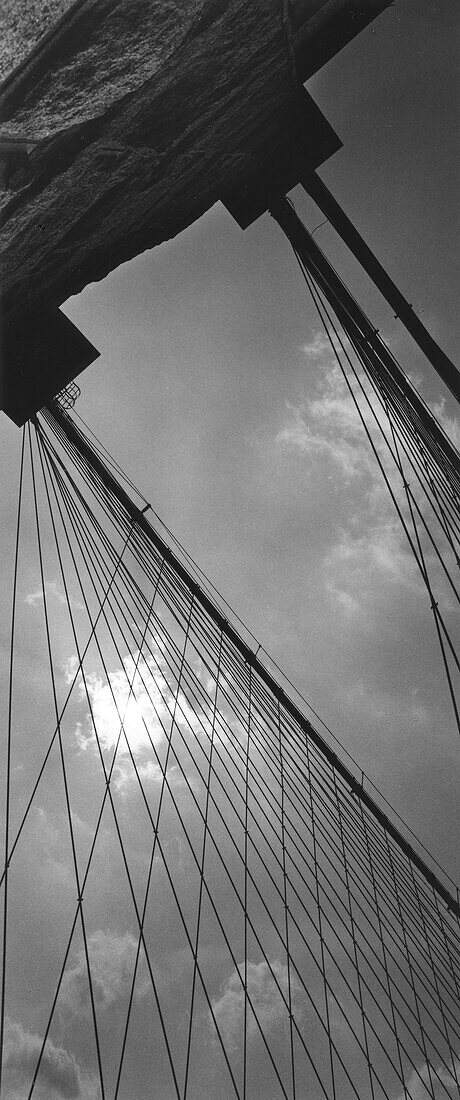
(8,759)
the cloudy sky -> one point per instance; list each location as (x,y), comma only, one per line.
(217,392)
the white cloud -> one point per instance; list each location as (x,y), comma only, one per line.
(321,348)
(70,668)
(371,552)
(317,348)
(123,699)
(350,459)
(376,706)
(33,598)
(125,777)
(112,958)
(265,996)
(451,424)
(55,852)
(60,1076)
(329,427)
(113,703)
(363,568)
(52,589)
(422,1089)
(139,698)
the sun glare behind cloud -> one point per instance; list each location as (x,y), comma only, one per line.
(131,709)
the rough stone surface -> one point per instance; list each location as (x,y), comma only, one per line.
(139,116)
(22,24)
(104,50)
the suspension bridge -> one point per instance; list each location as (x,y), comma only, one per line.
(315,940)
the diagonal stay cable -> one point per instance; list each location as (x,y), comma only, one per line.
(202,867)
(355,945)
(144,907)
(228,945)
(454,1066)
(285,901)
(55,732)
(134,899)
(324,313)
(143,534)
(251,657)
(108,794)
(155,825)
(414,430)
(64,775)
(439,619)
(165,863)
(425,574)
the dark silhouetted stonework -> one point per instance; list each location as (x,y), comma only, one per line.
(139,116)
(128,120)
